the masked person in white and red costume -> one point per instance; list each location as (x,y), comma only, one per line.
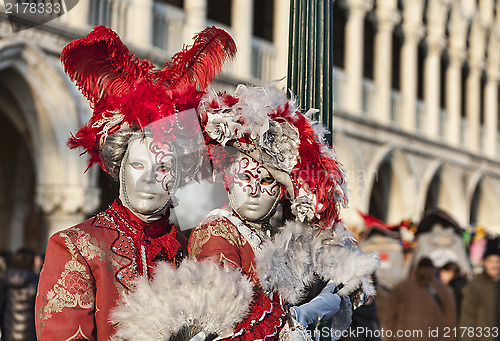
(144,132)
(269,152)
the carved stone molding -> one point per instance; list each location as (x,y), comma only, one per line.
(67,199)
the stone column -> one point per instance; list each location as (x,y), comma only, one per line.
(472,106)
(473,84)
(491,114)
(454,96)
(413,30)
(354,54)
(242,28)
(432,89)
(436,13)
(139,29)
(65,206)
(196,18)
(490,141)
(387,16)
(456,50)
(280,38)
(78,16)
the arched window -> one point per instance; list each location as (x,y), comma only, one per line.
(422,54)
(484,80)
(397,45)
(445,62)
(474,205)
(463,87)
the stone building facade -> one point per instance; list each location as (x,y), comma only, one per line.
(415,92)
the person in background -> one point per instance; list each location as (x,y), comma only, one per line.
(480,311)
(451,276)
(18,317)
(420,304)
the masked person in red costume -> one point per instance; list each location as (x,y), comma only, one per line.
(268,152)
(145,133)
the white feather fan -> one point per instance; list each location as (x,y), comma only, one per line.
(289,263)
(197,296)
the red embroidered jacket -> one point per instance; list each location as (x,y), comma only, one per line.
(87,269)
(218,239)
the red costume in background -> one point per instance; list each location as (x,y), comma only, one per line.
(88,267)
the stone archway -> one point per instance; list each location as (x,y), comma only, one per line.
(17,178)
(483,203)
(356,178)
(41,105)
(443,188)
(393,188)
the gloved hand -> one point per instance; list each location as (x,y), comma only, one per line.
(199,337)
(323,306)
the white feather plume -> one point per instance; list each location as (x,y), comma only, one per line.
(289,263)
(202,295)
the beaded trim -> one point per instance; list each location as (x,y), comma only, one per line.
(119,248)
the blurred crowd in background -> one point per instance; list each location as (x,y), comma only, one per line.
(434,276)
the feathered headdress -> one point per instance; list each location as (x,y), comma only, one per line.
(264,124)
(129,93)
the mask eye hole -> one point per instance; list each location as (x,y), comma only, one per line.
(243,177)
(137,165)
(267,181)
(162,169)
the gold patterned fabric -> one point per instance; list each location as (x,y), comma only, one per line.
(87,269)
(218,239)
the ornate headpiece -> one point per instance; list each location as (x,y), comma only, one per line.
(128,93)
(264,124)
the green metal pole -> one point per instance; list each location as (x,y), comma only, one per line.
(310,74)
(310,71)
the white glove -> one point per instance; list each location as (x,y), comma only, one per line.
(199,337)
(323,306)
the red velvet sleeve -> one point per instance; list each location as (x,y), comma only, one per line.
(66,294)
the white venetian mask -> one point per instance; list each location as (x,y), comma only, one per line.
(254,193)
(148,176)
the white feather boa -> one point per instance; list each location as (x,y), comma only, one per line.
(196,296)
(299,253)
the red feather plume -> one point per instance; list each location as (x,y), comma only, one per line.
(199,64)
(101,64)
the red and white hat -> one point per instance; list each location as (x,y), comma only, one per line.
(269,127)
(129,93)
